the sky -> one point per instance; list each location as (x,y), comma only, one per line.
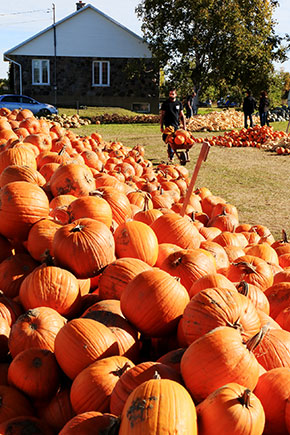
(20,20)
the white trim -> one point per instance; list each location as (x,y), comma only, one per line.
(100,84)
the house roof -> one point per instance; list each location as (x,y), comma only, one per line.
(86,32)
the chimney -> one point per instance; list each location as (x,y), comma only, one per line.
(80,5)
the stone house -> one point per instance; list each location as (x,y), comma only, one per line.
(86,59)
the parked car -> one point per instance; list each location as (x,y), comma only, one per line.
(227,102)
(206,103)
(12,101)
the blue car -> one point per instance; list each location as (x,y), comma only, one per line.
(12,101)
(227,102)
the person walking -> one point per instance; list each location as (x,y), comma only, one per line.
(249,106)
(264,105)
(190,105)
(171,116)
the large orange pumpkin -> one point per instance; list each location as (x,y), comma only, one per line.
(189,265)
(135,376)
(81,342)
(213,307)
(72,178)
(21,205)
(231,409)
(92,387)
(153,291)
(158,404)
(215,359)
(35,372)
(173,228)
(51,286)
(84,247)
(136,239)
(273,390)
(35,328)
(93,207)
(118,274)
(91,422)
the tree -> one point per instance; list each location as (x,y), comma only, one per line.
(211,42)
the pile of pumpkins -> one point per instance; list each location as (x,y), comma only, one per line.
(69,121)
(118,315)
(218,121)
(258,137)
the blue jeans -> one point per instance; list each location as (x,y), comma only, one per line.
(263,118)
(250,116)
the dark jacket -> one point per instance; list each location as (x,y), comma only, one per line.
(249,104)
(264,104)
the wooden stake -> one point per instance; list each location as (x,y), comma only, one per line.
(201,158)
(288,126)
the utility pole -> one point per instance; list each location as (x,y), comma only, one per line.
(54,53)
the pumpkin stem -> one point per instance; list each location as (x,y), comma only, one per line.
(77,228)
(284,237)
(243,288)
(253,342)
(95,193)
(47,259)
(156,375)
(112,428)
(245,398)
(121,370)
(246,267)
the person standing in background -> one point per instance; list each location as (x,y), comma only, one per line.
(249,106)
(190,105)
(264,105)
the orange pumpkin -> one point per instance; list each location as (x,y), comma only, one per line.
(91,243)
(156,400)
(118,274)
(136,239)
(21,205)
(135,376)
(90,422)
(233,409)
(93,386)
(232,362)
(51,286)
(35,372)
(153,292)
(81,342)
(35,328)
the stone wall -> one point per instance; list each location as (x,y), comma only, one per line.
(131,81)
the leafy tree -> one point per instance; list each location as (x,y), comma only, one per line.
(223,43)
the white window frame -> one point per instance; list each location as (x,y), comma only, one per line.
(41,61)
(100,84)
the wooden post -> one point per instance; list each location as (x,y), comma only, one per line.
(288,126)
(201,158)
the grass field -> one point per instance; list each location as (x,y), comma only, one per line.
(255,181)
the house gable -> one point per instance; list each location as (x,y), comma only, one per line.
(85,33)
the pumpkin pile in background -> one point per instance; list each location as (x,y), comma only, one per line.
(66,121)
(258,137)
(218,120)
(120,316)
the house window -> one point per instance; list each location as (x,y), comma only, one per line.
(40,72)
(101,73)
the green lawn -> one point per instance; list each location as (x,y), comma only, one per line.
(255,181)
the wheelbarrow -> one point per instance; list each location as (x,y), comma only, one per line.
(181,152)
(181,141)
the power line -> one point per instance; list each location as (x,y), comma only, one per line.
(25,22)
(27,12)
